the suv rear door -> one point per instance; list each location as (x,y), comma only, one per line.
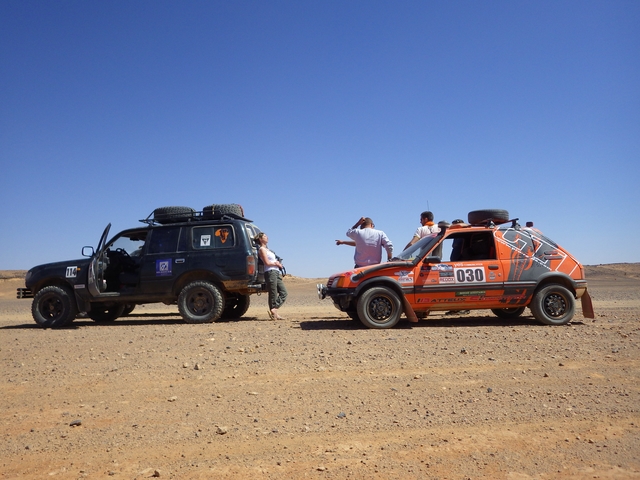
(165,259)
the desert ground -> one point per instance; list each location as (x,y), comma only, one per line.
(319,396)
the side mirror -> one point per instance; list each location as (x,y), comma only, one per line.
(87,251)
(432,259)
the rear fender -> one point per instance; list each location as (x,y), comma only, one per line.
(560,279)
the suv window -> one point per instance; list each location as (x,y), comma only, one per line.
(132,243)
(164,240)
(218,236)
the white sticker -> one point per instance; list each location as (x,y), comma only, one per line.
(469,275)
(205,240)
(72,272)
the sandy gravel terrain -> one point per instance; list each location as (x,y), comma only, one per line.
(319,396)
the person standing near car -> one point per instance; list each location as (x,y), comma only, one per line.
(272,276)
(369,243)
(427,228)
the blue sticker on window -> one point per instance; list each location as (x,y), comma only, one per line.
(163,268)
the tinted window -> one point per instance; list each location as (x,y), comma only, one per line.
(164,240)
(219,236)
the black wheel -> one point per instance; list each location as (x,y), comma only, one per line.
(104,312)
(218,210)
(127,309)
(482,216)
(379,307)
(200,302)
(553,305)
(166,215)
(508,313)
(54,307)
(236,306)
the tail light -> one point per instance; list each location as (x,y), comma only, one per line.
(251,265)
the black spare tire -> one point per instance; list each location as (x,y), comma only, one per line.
(220,209)
(489,215)
(164,215)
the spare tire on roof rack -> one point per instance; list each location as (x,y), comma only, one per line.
(496,216)
(220,209)
(164,215)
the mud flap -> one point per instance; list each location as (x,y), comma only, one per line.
(587,306)
(408,310)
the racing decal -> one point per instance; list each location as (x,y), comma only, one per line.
(223,233)
(442,267)
(404,276)
(471,293)
(163,268)
(469,275)
(205,240)
(446,277)
(72,272)
(530,251)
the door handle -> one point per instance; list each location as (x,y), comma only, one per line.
(179,260)
(493,267)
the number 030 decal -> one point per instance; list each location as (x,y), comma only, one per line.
(469,275)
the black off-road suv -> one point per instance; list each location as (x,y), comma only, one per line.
(205,261)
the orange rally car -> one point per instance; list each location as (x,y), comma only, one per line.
(490,263)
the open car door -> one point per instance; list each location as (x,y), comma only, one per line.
(95,277)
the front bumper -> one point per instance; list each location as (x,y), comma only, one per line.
(24,293)
(342,297)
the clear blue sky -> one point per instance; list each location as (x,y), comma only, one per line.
(311,114)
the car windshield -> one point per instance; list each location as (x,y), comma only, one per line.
(418,249)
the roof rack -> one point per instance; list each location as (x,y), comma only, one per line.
(169,219)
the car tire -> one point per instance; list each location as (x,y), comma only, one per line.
(379,307)
(553,305)
(200,302)
(508,313)
(236,307)
(165,215)
(218,210)
(104,313)
(482,216)
(54,307)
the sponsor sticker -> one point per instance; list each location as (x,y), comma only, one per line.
(471,293)
(205,241)
(223,234)
(163,268)
(72,272)
(442,267)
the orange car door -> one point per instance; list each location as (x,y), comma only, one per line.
(468,282)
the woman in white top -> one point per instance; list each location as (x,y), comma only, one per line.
(272,276)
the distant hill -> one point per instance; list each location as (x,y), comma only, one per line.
(612,270)
(7,274)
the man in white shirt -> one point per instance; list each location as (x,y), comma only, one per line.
(369,243)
